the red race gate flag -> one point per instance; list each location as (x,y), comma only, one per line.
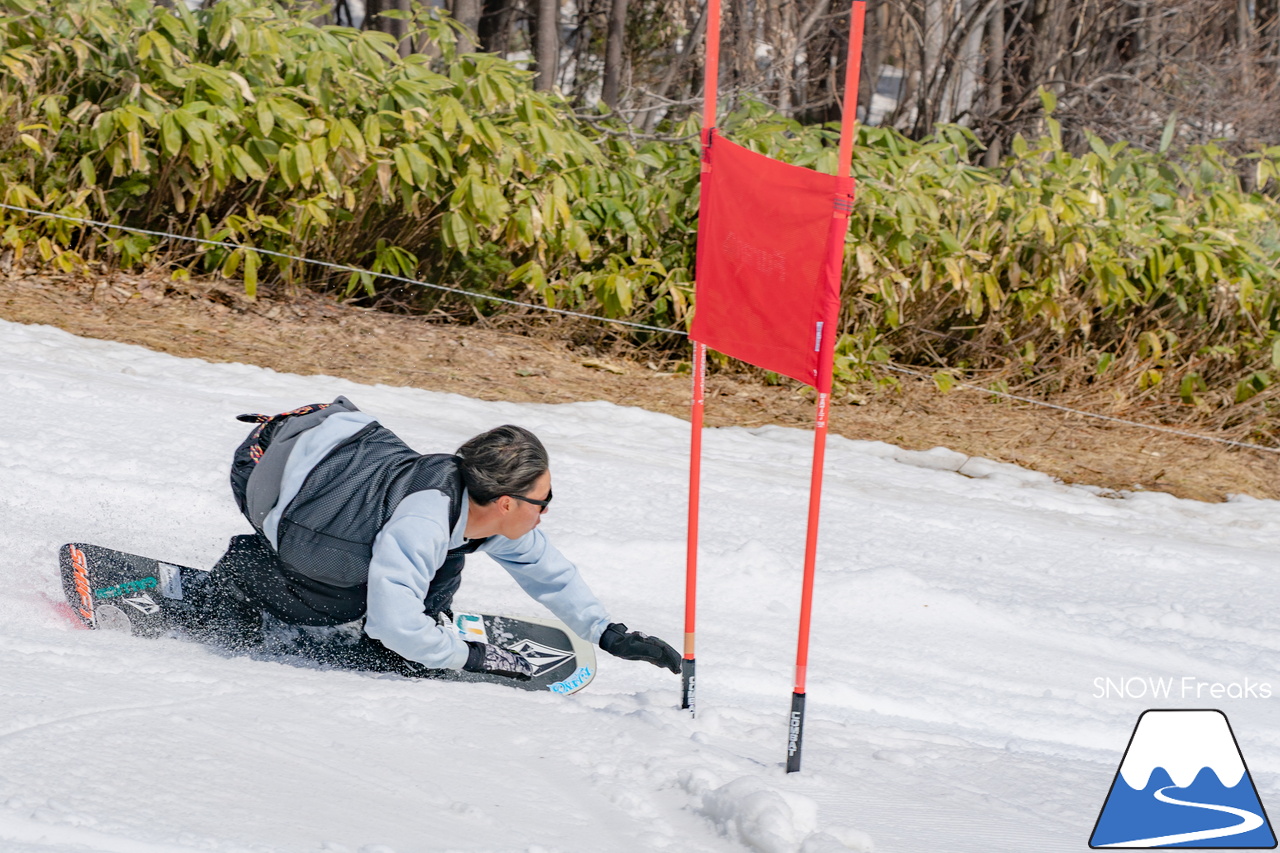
(766,292)
(770,252)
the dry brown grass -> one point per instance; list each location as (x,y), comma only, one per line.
(310,334)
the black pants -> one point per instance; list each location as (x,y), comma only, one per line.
(250,579)
(252,568)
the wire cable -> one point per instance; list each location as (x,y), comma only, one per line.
(344,268)
(628,323)
(1043,404)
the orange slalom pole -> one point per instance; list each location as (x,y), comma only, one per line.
(688,697)
(826,355)
(711,80)
(711,72)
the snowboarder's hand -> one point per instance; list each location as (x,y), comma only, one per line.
(632,645)
(482,657)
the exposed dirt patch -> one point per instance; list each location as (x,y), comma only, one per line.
(310,334)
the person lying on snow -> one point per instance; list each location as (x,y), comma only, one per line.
(351,523)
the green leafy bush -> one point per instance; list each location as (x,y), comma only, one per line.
(246,123)
(1058,269)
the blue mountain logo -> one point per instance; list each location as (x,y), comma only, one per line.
(1183,783)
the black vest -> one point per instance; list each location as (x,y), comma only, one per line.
(326,532)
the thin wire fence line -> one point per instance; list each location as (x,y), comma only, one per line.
(564,312)
(346,268)
(1109,418)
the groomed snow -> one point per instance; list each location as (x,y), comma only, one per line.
(981,634)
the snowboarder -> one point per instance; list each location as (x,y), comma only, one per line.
(351,523)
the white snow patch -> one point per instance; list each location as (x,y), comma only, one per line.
(966,613)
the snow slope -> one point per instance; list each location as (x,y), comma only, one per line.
(975,628)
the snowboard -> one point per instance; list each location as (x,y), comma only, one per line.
(112,590)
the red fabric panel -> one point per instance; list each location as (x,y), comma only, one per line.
(769,259)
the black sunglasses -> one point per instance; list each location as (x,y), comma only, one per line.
(543,504)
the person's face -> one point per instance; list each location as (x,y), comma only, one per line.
(521,517)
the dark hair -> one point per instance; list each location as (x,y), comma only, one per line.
(506,460)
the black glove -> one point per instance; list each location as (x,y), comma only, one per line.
(482,657)
(632,645)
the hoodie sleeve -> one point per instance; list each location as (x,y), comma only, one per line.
(551,580)
(409,550)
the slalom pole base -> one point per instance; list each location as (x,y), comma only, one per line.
(795,732)
(688,699)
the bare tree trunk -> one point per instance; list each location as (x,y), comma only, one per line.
(995,81)
(397,29)
(495,26)
(1244,43)
(1134,28)
(400,27)
(737,52)
(467,13)
(613,53)
(1119,67)
(932,39)
(875,34)
(1040,47)
(947,49)
(546,44)
(794,40)
(1046,25)
(692,41)
(780,33)
(577,56)
(968,67)
(1267,18)
(325,20)
(372,9)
